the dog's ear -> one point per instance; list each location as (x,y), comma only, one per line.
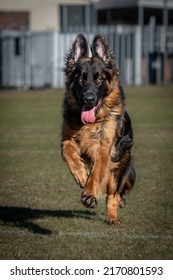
(79,47)
(100,47)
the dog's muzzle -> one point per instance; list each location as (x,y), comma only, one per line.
(89,99)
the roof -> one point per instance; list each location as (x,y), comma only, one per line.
(106,4)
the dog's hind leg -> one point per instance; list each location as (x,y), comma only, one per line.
(113,200)
(116,192)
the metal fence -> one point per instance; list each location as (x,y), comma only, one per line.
(34,60)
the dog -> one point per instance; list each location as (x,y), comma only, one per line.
(97,136)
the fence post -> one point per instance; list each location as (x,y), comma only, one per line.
(138,55)
(55,59)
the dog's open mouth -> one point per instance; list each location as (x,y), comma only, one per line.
(89,115)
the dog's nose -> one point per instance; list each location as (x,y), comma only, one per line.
(89,99)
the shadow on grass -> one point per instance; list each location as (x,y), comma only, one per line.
(22,217)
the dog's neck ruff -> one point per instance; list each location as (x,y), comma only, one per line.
(89,116)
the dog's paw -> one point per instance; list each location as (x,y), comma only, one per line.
(89,201)
(123,146)
(112,221)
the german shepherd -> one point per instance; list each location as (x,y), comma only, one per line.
(97,136)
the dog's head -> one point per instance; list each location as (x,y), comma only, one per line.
(90,79)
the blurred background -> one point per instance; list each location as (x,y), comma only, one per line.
(35,35)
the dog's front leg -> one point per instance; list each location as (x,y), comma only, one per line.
(71,155)
(98,176)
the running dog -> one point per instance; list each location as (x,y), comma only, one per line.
(97,137)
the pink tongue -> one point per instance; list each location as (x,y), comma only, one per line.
(88,116)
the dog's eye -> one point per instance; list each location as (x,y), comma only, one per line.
(82,80)
(98,81)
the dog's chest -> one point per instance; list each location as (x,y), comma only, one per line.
(92,138)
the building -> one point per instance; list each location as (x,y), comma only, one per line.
(68,15)
(140,33)
(43,15)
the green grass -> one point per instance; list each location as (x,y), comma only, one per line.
(41,216)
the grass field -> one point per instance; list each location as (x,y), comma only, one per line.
(41,216)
